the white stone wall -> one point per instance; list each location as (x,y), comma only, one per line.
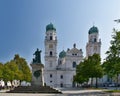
(50,58)
(65,69)
(93,46)
(50,80)
(50,46)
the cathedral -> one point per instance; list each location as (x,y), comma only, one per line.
(59,71)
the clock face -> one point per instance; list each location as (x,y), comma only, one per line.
(50,45)
(37,73)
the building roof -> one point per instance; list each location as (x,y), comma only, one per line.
(62,54)
(93,30)
(74,51)
(50,27)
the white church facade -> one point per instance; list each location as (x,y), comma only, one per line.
(59,71)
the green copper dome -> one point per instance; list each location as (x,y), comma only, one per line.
(93,30)
(50,27)
(62,54)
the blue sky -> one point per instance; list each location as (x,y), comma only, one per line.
(23,22)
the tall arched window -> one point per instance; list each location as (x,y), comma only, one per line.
(61,76)
(61,84)
(51,53)
(74,64)
(51,38)
(60,62)
(95,40)
(51,76)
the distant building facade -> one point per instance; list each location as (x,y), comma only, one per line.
(59,71)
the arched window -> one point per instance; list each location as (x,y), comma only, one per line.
(51,38)
(74,64)
(95,40)
(61,84)
(61,76)
(50,75)
(51,53)
(60,62)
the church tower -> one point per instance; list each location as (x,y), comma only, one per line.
(94,43)
(50,47)
(50,55)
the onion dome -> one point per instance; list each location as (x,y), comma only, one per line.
(62,54)
(50,27)
(93,30)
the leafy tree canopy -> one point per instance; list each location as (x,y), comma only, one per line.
(15,69)
(90,68)
(112,62)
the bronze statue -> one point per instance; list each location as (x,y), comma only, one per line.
(37,58)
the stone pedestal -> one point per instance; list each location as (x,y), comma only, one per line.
(37,74)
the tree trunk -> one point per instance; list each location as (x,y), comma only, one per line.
(91,82)
(117,81)
(96,85)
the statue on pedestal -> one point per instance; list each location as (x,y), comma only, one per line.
(37,69)
(37,58)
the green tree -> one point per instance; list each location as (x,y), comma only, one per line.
(90,68)
(15,69)
(80,77)
(9,71)
(23,67)
(1,70)
(93,67)
(112,61)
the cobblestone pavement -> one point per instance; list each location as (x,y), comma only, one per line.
(66,92)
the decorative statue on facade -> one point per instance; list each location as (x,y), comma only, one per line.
(37,58)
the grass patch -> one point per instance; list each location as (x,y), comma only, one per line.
(113,91)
